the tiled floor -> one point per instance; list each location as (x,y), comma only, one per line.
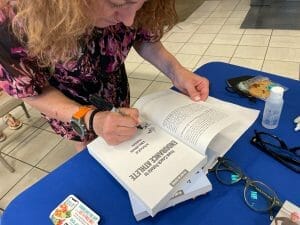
(211,33)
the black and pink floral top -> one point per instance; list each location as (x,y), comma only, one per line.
(98,70)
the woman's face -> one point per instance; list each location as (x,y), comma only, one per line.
(111,12)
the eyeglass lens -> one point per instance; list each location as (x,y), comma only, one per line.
(257,195)
(228,173)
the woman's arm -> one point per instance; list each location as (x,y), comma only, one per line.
(187,82)
(113,127)
(54,104)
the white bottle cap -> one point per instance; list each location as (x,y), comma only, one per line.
(276,92)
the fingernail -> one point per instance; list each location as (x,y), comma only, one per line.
(197,98)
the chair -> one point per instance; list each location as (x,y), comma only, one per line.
(7,104)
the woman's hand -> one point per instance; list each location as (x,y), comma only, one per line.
(195,86)
(116,127)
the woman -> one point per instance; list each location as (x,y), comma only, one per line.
(56,54)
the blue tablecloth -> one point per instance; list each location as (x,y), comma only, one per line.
(86,179)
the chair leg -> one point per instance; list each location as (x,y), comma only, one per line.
(25,110)
(5,163)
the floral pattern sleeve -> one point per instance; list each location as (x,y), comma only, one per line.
(20,75)
(143,35)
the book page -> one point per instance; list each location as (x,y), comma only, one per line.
(195,123)
(224,140)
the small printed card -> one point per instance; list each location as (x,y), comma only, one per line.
(73,212)
(289,214)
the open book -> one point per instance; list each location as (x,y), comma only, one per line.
(209,127)
(172,146)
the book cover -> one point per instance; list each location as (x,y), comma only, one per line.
(289,214)
(150,165)
(197,185)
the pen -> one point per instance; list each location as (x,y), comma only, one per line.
(103,105)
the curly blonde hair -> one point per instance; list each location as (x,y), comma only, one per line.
(52,29)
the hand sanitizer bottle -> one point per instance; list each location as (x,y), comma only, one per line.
(273,107)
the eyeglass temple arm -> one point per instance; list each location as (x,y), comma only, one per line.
(284,160)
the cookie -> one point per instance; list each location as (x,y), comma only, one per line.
(260,89)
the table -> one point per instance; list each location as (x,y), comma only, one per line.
(86,179)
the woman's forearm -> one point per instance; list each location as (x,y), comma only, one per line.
(157,55)
(53,104)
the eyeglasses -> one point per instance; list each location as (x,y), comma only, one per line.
(275,147)
(257,195)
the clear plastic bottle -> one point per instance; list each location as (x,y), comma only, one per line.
(273,108)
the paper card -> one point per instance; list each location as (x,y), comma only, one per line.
(73,212)
(289,214)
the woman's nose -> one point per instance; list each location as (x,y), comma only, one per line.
(126,16)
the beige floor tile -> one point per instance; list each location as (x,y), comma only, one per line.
(194,49)
(185,27)
(227,5)
(286,69)
(132,101)
(250,63)
(208,29)
(227,39)
(208,6)
(58,155)
(243,5)
(35,120)
(221,14)
(32,177)
(220,50)
(234,21)
(202,38)
(258,31)
(130,67)
(255,40)
(286,33)
(214,21)
(239,14)
(157,86)
(201,14)
(173,47)
(36,146)
(48,128)
(195,20)
(15,138)
(179,37)
(283,54)
(133,56)
(166,35)
(8,179)
(285,41)
(137,86)
(188,61)
(208,59)
(232,29)
(250,52)
(145,71)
